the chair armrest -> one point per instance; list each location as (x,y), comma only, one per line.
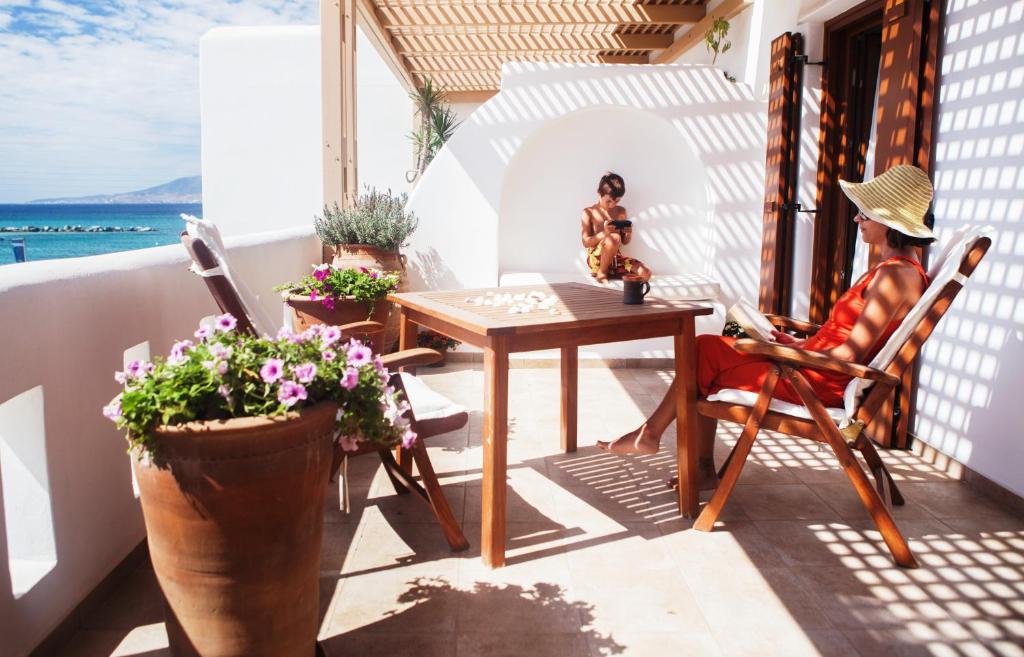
(361,327)
(803,358)
(798,325)
(411,357)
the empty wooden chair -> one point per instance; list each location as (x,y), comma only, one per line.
(430,413)
(841,428)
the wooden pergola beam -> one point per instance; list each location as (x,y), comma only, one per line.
(470,96)
(624,59)
(338,100)
(486,41)
(384,43)
(695,34)
(407,17)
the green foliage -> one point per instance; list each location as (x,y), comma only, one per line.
(714,39)
(227,374)
(328,282)
(436,341)
(378,219)
(437,124)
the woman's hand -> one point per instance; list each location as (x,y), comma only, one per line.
(787,339)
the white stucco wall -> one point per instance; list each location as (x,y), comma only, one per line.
(971,374)
(261,126)
(689,143)
(65,356)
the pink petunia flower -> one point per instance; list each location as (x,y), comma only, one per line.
(272,370)
(203,332)
(290,393)
(284,332)
(138,369)
(218,350)
(121,377)
(320,272)
(226,322)
(312,295)
(348,443)
(330,335)
(408,438)
(305,373)
(328,355)
(359,354)
(350,379)
(178,352)
(328,303)
(112,411)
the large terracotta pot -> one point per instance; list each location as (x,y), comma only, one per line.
(234,517)
(346,310)
(348,256)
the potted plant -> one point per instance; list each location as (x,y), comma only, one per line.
(233,437)
(335,296)
(437,342)
(438,123)
(370,234)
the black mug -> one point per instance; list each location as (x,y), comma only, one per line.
(634,289)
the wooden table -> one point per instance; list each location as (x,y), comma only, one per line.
(584,314)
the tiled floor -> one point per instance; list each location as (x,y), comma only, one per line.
(599,564)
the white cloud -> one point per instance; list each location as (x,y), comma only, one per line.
(105,98)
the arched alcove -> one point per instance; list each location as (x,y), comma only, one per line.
(555,173)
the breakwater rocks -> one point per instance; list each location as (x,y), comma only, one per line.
(77,229)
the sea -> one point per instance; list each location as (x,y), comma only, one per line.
(163,218)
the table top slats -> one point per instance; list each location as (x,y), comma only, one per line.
(578,305)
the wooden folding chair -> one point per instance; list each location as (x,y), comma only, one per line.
(841,428)
(430,414)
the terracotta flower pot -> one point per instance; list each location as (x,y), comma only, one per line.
(346,310)
(349,256)
(234,517)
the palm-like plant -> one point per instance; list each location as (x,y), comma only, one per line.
(437,124)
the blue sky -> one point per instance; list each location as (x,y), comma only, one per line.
(103,97)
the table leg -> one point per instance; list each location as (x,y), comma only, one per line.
(686,418)
(406,340)
(570,376)
(492,521)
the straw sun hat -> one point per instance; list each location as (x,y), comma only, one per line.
(899,198)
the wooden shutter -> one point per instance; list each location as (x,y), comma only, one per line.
(780,173)
(905,124)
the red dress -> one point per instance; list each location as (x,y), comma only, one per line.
(719,366)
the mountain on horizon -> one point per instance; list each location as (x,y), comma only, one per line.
(182,190)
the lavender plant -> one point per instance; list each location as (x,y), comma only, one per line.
(227,374)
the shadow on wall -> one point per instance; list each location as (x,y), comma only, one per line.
(549,128)
(970,373)
(555,173)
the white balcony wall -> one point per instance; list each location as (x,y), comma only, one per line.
(261,126)
(971,375)
(64,328)
(506,192)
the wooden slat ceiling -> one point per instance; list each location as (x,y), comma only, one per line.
(461,44)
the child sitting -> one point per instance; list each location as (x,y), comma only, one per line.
(605,230)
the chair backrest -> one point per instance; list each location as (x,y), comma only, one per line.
(947,276)
(203,242)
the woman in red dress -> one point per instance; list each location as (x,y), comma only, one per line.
(891,216)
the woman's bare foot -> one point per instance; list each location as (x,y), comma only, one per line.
(638,441)
(601,278)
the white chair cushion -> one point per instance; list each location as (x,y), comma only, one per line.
(427,404)
(747,398)
(680,287)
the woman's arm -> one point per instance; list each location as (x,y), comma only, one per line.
(888,296)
